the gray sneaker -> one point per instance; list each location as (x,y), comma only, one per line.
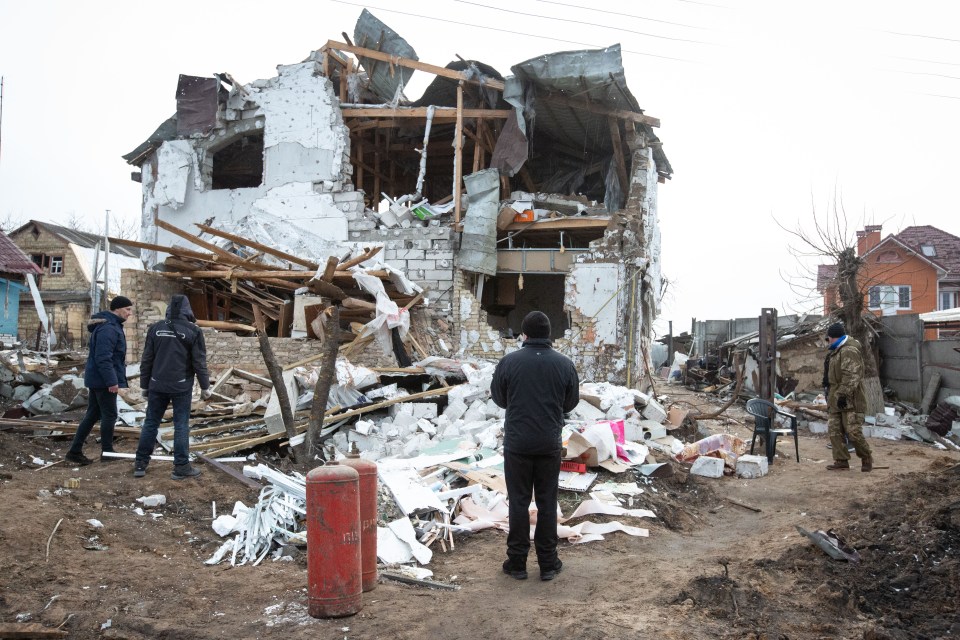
(139,469)
(183,471)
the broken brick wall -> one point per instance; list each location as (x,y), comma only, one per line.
(612,292)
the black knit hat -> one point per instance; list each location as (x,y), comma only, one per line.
(836,330)
(536,325)
(120,302)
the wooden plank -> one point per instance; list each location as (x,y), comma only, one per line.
(233,473)
(458,158)
(443,72)
(221,380)
(386,403)
(330,269)
(251,377)
(220,252)
(285,321)
(259,247)
(352,262)
(618,158)
(29,630)
(557,224)
(442,113)
(225,326)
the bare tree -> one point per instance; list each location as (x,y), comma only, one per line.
(10,222)
(833,244)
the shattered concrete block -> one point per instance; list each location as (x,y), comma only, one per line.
(707,467)
(365,443)
(640,398)
(340,441)
(654,411)
(817,426)
(6,375)
(403,422)
(427,427)
(884,420)
(643,430)
(414,445)
(154,500)
(888,433)
(586,411)
(23,392)
(43,401)
(751,466)
(416,409)
(363,427)
(6,390)
(476,412)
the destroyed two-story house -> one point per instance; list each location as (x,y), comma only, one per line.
(496,195)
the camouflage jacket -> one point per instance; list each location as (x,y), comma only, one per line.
(845,375)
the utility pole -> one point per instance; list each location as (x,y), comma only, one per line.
(1,113)
(106,263)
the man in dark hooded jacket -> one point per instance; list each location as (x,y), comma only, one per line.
(174,353)
(536,385)
(104,376)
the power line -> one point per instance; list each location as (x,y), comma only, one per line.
(920,35)
(626,15)
(952,64)
(525,34)
(579,22)
(924,73)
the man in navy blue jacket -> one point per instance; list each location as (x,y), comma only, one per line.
(104,375)
(536,385)
(174,353)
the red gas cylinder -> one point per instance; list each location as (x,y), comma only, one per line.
(333,541)
(368,517)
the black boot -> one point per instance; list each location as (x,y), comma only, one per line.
(182,471)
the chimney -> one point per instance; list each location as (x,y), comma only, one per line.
(868,238)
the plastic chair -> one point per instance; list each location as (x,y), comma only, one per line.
(763,413)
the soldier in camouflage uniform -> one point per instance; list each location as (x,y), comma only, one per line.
(846,401)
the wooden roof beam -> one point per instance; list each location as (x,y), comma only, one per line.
(443,72)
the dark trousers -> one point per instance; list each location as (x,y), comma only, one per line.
(101,407)
(527,476)
(156,406)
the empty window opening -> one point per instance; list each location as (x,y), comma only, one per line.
(507,301)
(239,165)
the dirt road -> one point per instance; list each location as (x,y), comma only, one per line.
(709,569)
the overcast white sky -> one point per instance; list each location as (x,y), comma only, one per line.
(767,107)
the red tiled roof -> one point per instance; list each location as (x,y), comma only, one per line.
(13,260)
(946,246)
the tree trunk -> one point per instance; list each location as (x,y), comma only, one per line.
(851,312)
(276,375)
(328,368)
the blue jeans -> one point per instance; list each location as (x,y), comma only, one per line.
(102,407)
(156,406)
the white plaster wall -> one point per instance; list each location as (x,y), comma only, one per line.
(304,146)
(590,288)
(651,228)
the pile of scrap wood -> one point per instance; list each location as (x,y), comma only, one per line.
(226,285)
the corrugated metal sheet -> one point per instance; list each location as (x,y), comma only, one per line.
(384,78)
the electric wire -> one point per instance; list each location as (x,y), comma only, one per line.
(625,15)
(920,35)
(582,23)
(518,33)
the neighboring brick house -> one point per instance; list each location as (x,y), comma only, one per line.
(65,259)
(14,266)
(914,271)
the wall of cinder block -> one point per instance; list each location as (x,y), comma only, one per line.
(424,254)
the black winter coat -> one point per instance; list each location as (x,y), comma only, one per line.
(536,385)
(174,352)
(106,361)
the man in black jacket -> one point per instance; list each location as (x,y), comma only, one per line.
(104,375)
(174,353)
(536,385)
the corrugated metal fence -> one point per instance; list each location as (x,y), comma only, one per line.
(908,362)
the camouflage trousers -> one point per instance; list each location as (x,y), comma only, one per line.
(847,423)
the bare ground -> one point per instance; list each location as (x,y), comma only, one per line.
(710,568)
